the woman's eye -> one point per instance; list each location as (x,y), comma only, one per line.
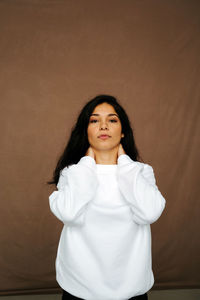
(112,121)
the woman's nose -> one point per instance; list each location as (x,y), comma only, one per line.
(103,125)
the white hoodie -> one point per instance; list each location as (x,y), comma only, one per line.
(104,252)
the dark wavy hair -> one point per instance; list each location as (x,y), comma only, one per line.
(78,144)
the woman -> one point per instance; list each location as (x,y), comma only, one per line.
(107,200)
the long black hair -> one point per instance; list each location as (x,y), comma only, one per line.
(78,144)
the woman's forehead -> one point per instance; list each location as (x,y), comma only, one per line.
(104,109)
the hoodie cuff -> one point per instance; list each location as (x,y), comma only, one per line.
(87,161)
(123,159)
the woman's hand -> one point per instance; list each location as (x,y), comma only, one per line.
(120,150)
(90,152)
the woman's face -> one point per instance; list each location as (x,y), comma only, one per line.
(104,121)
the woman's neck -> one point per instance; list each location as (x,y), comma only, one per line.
(106,157)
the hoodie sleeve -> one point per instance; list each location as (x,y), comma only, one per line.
(138,186)
(76,188)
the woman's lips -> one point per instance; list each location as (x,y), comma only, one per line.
(104,137)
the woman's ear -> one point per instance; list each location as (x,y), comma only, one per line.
(122,135)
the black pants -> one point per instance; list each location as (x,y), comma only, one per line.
(67,296)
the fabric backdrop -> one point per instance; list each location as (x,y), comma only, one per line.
(54,56)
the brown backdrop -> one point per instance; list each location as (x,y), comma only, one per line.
(55,56)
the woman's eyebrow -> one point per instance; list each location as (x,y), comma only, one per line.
(108,115)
